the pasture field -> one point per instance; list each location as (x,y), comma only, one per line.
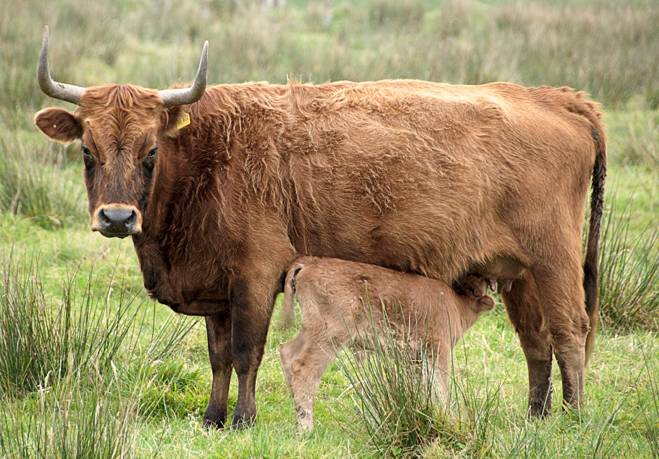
(90,367)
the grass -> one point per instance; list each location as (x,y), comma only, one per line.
(171,393)
(398,407)
(43,339)
(394,396)
(37,184)
(629,273)
(77,419)
(81,365)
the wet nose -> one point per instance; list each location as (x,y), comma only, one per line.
(117,220)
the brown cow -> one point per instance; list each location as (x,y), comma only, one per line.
(221,188)
(344,302)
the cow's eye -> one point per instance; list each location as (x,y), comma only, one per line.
(150,161)
(87,157)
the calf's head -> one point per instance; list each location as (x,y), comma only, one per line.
(119,127)
(475,288)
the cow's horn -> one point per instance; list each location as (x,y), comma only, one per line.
(174,97)
(63,91)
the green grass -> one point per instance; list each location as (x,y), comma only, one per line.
(173,393)
(148,397)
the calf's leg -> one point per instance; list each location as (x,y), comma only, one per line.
(526,313)
(304,360)
(218,330)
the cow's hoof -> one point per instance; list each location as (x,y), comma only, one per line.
(242,420)
(214,418)
(538,410)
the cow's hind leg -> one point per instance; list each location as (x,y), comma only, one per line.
(526,314)
(304,360)
(218,329)
(562,295)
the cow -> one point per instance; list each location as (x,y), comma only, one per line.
(220,188)
(346,303)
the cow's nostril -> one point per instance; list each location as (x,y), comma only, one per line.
(105,221)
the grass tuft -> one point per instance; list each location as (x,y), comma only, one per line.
(396,399)
(43,339)
(629,273)
(76,418)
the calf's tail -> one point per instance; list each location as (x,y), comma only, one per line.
(287,312)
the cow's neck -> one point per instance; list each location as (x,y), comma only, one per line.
(152,254)
(205,153)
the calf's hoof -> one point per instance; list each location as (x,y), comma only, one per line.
(304,420)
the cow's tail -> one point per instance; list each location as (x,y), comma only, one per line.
(287,312)
(591,281)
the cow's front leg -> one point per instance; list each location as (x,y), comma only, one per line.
(251,307)
(218,330)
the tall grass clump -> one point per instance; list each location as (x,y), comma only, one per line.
(42,339)
(74,419)
(395,395)
(629,273)
(74,368)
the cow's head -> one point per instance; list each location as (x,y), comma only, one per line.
(119,127)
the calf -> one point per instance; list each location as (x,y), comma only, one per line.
(340,302)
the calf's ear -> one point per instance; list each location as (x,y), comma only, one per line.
(484,304)
(58,124)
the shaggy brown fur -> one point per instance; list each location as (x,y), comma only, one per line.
(430,178)
(343,303)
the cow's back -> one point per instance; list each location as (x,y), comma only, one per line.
(423,176)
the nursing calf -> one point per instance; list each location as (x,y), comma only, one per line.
(341,301)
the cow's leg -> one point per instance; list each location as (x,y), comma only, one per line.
(218,330)
(526,314)
(304,360)
(251,308)
(562,295)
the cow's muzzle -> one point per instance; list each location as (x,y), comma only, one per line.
(117,220)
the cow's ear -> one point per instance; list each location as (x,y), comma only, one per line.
(58,124)
(174,119)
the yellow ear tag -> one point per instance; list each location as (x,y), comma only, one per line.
(183,120)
